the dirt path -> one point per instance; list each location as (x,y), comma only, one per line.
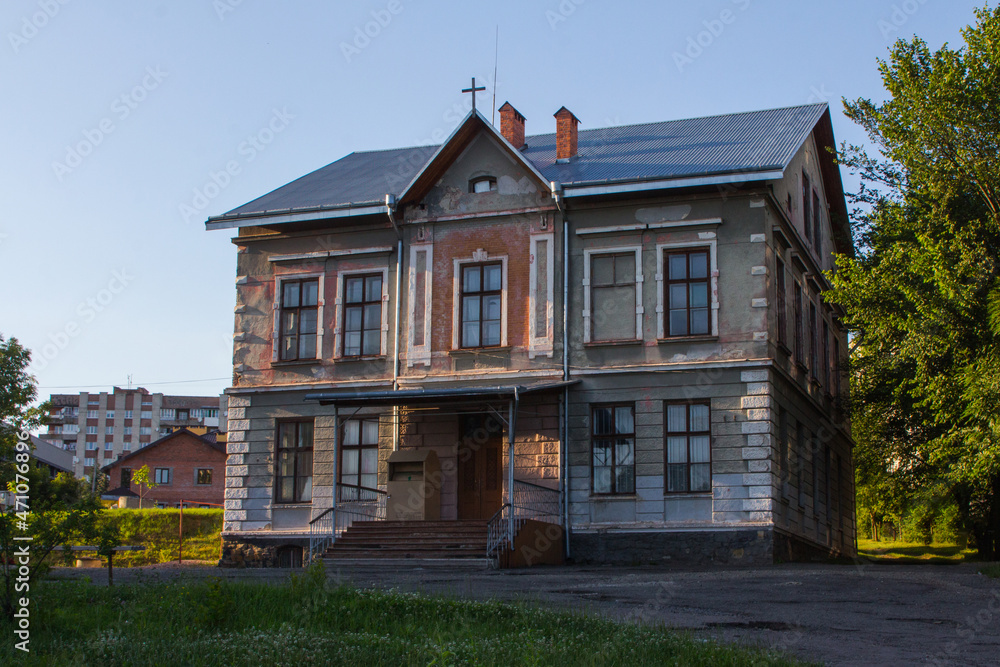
(834,614)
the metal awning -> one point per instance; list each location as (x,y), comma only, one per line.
(451,394)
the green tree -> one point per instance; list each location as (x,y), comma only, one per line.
(923,295)
(141,479)
(53,513)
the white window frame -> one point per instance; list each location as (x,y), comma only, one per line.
(170,476)
(587,314)
(478,257)
(713,272)
(338,327)
(279,281)
(420,354)
(541,343)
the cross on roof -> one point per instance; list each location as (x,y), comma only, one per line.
(473,90)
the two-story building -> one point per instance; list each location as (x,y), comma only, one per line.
(618,334)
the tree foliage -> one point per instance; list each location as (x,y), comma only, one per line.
(52,512)
(923,295)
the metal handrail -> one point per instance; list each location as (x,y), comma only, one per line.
(529,501)
(369,505)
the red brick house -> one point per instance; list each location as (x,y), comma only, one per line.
(184,466)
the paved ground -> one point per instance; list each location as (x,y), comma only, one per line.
(833,614)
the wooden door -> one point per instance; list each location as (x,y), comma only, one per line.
(480,468)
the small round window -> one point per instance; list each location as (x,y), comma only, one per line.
(483,184)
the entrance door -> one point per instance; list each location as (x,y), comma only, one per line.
(480,467)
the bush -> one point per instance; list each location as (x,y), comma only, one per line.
(157,530)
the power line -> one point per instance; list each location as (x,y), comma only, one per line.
(150,384)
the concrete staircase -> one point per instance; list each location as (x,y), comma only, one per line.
(410,539)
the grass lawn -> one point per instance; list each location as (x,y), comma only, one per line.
(992,570)
(308,622)
(911,552)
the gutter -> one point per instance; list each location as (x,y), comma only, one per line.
(557,195)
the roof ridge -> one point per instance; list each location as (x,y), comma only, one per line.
(682,120)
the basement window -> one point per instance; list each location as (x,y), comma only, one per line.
(483,184)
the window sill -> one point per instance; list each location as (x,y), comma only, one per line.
(687,339)
(287,505)
(292,364)
(802,367)
(613,496)
(479,350)
(784,349)
(372,357)
(612,343)
(680,495)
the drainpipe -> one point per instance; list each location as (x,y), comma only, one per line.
(512,407)
(390,209)
(556,189)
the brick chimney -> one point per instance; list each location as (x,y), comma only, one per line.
(566,134)
(512,125)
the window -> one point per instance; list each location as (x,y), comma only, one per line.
(800,461)
(183,415)
(128,430)
(783,471)
(780,303)
(612,290)
(799,348)
(126,446)
(687,293)
(108,446)
(689,450)
(126,478)
(109,430)
(91,430)
(91,446)
(110,414)
(146,414)
(161,476)
(128,414)
(91,414)
(363,315)
(817,236)
(613,447)
(825,366)
(203,476)
(290,557)
(481,304)
(299,312)
(835,366)
(482,184)
(806,208)
(295,444)
(359,458)
(813,341)
(88,462)
(167,413)
(144,430)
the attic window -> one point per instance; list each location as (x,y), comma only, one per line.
(483,184)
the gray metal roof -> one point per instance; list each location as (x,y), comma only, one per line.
(756,141)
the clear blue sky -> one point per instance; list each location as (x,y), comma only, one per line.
(115,112)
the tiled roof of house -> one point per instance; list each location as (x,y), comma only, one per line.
(744,143)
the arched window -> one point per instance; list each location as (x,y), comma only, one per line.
(482,184)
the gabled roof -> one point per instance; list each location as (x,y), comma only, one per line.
(452,147)
(756,145)
(156,443)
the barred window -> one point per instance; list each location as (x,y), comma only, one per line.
(613,447)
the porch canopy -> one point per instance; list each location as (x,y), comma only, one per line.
(449,394)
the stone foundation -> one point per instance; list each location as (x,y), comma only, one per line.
(257,551)
(789,548)
(730,547)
